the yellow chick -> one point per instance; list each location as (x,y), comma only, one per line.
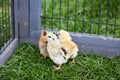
(55,51)
(43,43)
(67,43)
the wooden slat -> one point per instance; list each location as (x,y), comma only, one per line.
(15,14)
(35,17)
(24,18)
(8,51)
(99,45)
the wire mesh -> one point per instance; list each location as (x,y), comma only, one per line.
(6,28)
(99,17)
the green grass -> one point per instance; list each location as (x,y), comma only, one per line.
(26,63)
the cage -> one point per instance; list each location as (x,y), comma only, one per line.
(93,25)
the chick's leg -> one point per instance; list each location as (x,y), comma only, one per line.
(73,60)
(57,67)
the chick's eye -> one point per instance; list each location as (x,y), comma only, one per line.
(58,33)
(49,36)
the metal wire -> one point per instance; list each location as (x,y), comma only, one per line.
(98,21)
(91,17)
(75,15)
(52,13)
(83,19)
(6,27)
(60,14)
(44,13)
(114,34)
(99,17)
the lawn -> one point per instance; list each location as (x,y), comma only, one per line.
(26,63)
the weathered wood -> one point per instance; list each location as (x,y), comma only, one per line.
(31,40)
(35,17)
(12,18)
(100,45)
(35,33)
(29,18)
(35,14)
(15,13)
(8,51)
(24,18)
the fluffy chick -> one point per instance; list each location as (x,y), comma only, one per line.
(65,35)
(43,43)
(55,51)
(68,45)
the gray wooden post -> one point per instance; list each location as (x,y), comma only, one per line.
(24,18)
(29,20)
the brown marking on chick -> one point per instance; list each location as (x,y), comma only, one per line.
(56,34)
(65,52)
(44,33)
(43,43)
